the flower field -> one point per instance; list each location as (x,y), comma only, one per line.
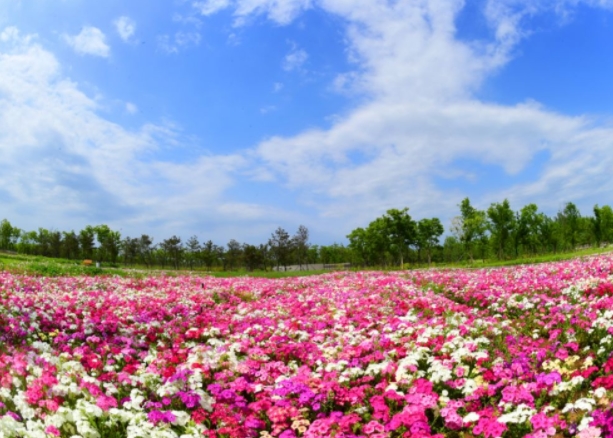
(511,352)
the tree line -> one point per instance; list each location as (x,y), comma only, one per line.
(393,239)
(497,232)
(102,244)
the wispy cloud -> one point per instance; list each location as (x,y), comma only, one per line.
(295,59)
(209,7)
(81,167)
(420,116)
(179,41)
(125,27)
(131,108)
(90,41)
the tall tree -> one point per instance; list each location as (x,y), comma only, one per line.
(501,223)
(470,226)
(233,255)
(145,250)
(129,249)
(193,251)
(280,245)
(569,220)
(109,243)
(602,224)
(254,257)
(55,243)
(173,250)
(209,254)
(428,233)
(70,247)
(401,231)
(8,235)
(86,242)
(526,230)
(300,243)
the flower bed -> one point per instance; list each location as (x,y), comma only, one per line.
(522,351)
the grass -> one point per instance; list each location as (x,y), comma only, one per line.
(524,260)
(51,267)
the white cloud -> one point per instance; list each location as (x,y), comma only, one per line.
(295,59)
(131,108)
(90,41)
(210,7)
(281,12)
(62,162)
(267,109)
(179,41)
(419,116)
(125,27)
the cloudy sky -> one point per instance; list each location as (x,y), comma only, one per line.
(228,118)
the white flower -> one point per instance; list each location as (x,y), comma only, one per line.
(471,417)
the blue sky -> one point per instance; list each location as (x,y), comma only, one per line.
(228,118)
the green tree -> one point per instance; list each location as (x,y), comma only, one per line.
(109,243)
(526,228)
(86,242)
(569,220)
(470,227)
(501,223)
(70,246)
(428,233)
(281,246)
(254,257)
(193,251)
(145,250)
(233,255)
(9,235)
(602,224)
(129,249)
(300,243)
(401,231)
(55,243)
(172,250)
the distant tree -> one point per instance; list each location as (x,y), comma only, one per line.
(253,257)
(501,223)
(233,255)
(358,245)
(569,220)
(280,246)
(173,250)
(145,250)
(452,249)
(109,243)
(70,245)
(300,243)
(209,254)
(129,249)
(27,242)
(470,226)
(428,233)
(43,242)
(193,251)
(526,231)
(86,242)
(9,235)
(602,224)
(401,231)
(55,243)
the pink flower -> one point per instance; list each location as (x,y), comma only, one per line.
(590,432)
(106,402)
(52,430)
